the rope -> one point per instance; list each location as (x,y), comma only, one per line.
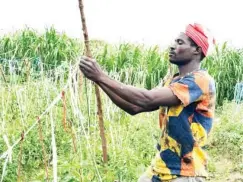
(4,168)
(64,120)
(54,148)
(80,117)
(56,100)
(74,103)
(68,127)
(8,145)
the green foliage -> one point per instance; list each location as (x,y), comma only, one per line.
(134,63)
(226,68)
(36,67)
(128,154)
(51,48)
(131,140)
(227,135)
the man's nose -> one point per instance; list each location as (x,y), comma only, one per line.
(172,47)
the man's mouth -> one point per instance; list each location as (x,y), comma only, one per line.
(171,54)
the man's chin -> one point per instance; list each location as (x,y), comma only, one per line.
(172,61)
(177,62)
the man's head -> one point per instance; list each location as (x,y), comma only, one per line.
(184,50)
(191,45)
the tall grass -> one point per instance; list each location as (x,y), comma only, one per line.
(35,69)
(226,66)
(227,136)
(21,103)
(129,152)
(31,49)
(51,48)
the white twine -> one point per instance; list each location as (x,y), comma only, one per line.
(80,117)
(54,148)
(4,168)
(9,148)
(58,97)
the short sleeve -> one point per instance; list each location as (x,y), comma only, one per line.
(190,89)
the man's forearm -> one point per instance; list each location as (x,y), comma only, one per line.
(128,93)
(121,103)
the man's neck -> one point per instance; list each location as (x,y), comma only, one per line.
(188,68)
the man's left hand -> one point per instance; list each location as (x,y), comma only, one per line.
(91,69)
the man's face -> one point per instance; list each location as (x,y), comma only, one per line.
(181,52)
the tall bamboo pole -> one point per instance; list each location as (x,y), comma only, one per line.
(97,92)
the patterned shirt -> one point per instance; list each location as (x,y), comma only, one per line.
(185,128)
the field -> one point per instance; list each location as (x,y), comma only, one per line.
(62,138)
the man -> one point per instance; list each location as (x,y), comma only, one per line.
(186,103)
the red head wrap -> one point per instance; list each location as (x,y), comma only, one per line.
(201,36)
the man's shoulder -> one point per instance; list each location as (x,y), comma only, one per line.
(203,77)
(207,84)
(204,74)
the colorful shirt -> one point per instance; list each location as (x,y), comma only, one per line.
(185,128)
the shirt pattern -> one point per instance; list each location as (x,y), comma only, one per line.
(185,128)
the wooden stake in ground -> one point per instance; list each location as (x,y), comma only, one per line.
(88,53)
(43,148)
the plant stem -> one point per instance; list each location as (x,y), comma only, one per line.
(43,148)
(2,73)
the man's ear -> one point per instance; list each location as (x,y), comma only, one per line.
(198,50)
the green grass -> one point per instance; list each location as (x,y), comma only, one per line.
(131,140)
(21,104)
(226,142)
(36,68)
(34,52)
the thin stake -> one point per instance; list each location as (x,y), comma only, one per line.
(43,147)
(88,53)
(20,157)
(73,139)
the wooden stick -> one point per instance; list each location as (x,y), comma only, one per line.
(43,148)
(88,53)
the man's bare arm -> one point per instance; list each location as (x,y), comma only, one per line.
(146,99)
(143,98)
(124,105)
